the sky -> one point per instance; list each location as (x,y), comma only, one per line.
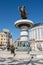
(9,14)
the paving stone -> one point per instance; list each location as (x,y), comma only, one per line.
(16,60)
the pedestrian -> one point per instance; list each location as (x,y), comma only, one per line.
(13,50)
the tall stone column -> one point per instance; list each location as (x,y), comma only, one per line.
(24,26)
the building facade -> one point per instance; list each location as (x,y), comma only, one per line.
(5,38)
(36,37)
(16,43)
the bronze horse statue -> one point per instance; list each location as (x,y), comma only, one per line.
(23,13)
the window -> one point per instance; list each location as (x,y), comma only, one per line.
(1,39)
(1,35)
(4,39)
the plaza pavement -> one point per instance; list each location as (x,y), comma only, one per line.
(13,61)
(9,59)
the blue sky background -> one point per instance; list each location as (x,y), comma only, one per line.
(9,13)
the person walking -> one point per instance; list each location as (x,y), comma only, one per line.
(12,50)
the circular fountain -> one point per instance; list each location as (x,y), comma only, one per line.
(24,25)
